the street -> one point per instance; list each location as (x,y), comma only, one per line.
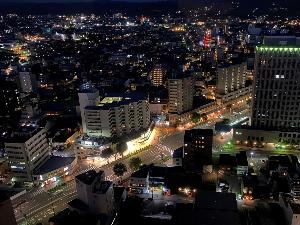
(41,205)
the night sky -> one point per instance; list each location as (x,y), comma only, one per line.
(70,1)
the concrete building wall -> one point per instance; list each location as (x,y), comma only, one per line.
(27,156)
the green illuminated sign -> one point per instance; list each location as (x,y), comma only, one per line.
(278,49)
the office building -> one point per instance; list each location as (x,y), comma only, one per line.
(95,192)
(157,75)
(181,93)
(27,150)
(197,149)
(10,101)
(276,98)
(277,83)
(117,115)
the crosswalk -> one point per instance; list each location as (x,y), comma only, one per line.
(37,192)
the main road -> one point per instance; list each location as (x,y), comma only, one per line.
(39,205)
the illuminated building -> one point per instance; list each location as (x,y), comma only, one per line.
(207,39)
(231,81)
(197,149)
(277,83)
(157,75)
(181,93)
(117,115)
(27,150)
(9,98)
(276,97)
(27,82)
(88,96)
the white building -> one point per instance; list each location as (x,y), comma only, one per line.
(231,77)
(95,192)
(117,115)
(27,151)
(181,93)
(27,81)
(88,96)
(139,181)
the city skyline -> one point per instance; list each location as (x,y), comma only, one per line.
(149,112)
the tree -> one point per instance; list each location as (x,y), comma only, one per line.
(119,169)
(106,153)
(195,117)
(135,163)
(121,147)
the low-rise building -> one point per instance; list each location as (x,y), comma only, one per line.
(54,168)
(139,181)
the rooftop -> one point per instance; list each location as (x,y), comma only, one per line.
(141,173)
(102,186)
(24,133)
(216,201)
(89,176)
(178,153)
(54,163)
(118,99)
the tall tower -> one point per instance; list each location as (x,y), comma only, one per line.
(276,95)
(181,93)
(88,96)
(157,75)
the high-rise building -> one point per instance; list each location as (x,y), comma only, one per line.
(157,75)
(117,115)
(88,96)
(276,97)
(231,77)
(27,82)
(197,149)
(27,150)
(181,93)
(276,101)
(9,98)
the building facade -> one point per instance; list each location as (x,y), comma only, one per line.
(10,101)
(95,192)
(276,101)
(116,116)
(181,93)
(231,77)
(27,151)
(197,149)
(88,96)
(27,82)
(275,116)
(157,75)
